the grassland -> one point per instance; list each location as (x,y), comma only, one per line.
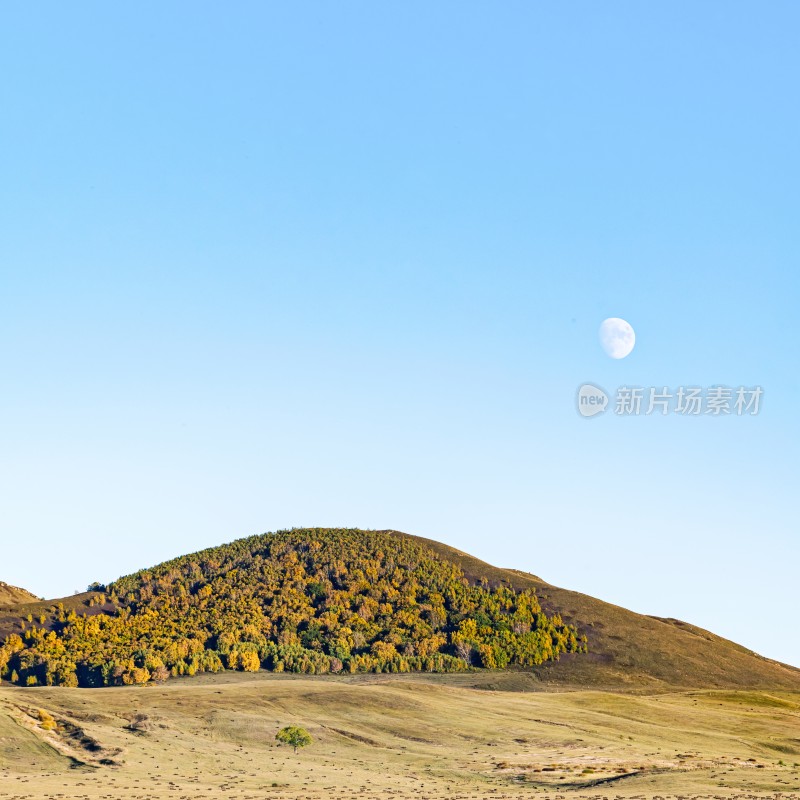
(382,736)
(13,594)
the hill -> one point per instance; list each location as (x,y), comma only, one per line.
(335,601)
(630,650)
(12,595)
(307,601)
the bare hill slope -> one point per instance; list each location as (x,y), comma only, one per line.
(632,650)
(11,595)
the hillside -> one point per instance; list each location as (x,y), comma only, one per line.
(332,601)
(629,650)
(305,601)
(12,595)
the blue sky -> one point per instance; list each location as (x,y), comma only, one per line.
(264,267)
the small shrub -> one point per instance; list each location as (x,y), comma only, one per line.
(46,721)
(159,674)
(138,722)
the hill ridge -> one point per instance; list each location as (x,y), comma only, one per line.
(665,660)
(10,595)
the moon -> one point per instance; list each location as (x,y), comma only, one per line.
(617,337)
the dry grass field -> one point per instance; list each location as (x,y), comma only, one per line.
(417,736)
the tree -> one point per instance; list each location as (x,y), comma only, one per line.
(293,736)
(249,661)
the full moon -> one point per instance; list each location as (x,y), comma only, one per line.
(617,337)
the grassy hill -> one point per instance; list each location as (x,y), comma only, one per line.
(12,595)
(321,601)
(629,650)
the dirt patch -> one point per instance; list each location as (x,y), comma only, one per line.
(66,737)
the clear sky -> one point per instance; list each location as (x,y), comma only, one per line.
(275,265)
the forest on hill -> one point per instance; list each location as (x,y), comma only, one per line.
(311,601)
